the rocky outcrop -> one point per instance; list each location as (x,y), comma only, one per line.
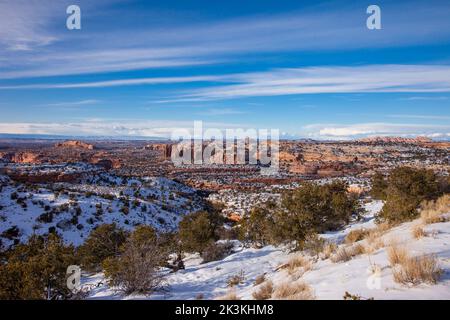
(164,148)
(75,144)
(21,157)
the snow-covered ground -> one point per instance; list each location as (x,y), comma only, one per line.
(328,280)
(74,209)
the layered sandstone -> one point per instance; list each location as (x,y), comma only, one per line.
(164,148)
(21,157)
(75,144)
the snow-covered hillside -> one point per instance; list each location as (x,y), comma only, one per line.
(74,209)
(368,275)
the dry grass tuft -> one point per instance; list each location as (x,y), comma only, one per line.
(379,230)
(418,232)
(236,279)
(264,292)
(382,228)
(344,253)
(433,211)
(328,250)
(356,235)
(416,270)
(293,291)
(396,255)
(298,262)
(373,237)
(341,255)
(259,279)
(373,243)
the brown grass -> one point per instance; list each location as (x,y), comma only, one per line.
(397,255)
(264,292)
(373,237)
(355,236)
(373,243)
(259,279)
(328,250)
(416,270)
(293,291)
(344,253)
(297,262)
(418,232)
(379,230)
(236,279)
(433,211)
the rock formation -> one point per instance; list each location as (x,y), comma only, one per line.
(75,144)
(21,157)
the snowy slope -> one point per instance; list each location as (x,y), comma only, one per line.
(329,280)
(74,209)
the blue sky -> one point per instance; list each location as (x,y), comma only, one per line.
(142,68)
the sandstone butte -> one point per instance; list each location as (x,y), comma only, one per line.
(75,144)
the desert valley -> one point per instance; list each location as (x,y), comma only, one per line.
(331,224)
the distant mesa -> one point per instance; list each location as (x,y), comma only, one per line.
(75,144)
(395,140)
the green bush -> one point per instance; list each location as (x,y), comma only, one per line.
(257,227)
(379,186)
(196,231)
(217,251)
(135,268)
(314,208)
(310,209)
(406,189)
(143,233)
(36,269)
(103,242)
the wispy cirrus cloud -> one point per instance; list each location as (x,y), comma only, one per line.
(25,25)
(351,131)
(29,26)
(116,83)
(425,98)
(333,79)
(220,112)
(419,116)
(288,81)
(74,103)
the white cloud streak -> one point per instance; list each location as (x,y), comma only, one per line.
(29,26)
(74,103)
(111,128)
(423,98)
(335,79)
(292,81)
(220,112)
(349,131)
(116,83)
(164,128)
(419,116)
